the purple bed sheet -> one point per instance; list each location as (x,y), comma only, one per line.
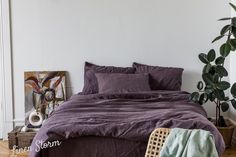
(96,147)
(127,116)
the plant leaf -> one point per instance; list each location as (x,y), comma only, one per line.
(208,79)
(208,91)
(226,98)
(216,78)
(203,98)
(49,77)
(212,96)
(223,85)
(219,94)
(234,31)
(233,43)
(217,38)
(233,102)
(221,71)
(203,58)
(194,96)
(224,106)
(211,55)
(226,18)
(233,90)
(206,68)
(220,60)
(200,85)
(34,83)
(225,29)
(233,6)
(212,70)
(225,50)
(233,21)
(209,86)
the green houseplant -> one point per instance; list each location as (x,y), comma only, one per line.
(213,86)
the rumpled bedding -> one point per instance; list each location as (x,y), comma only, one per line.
(127,116)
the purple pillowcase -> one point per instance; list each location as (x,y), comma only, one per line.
(122,83)
(161,78)
(90,80)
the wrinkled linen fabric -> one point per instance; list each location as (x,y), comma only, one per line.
(129,116)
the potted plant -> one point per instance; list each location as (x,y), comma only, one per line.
(213,86)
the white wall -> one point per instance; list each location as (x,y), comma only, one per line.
(232,111)
(62,34)
(1,87)
(6,70)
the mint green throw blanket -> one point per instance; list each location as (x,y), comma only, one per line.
(189,143)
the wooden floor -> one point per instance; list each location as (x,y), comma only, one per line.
(5,152)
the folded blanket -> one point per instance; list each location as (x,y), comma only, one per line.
(189,143)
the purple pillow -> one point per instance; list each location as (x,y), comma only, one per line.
(161,78)
(90,80)
(122,83)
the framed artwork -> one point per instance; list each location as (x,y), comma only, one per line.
(44,91)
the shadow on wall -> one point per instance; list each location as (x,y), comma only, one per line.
(232,113)
(68,86)
(188,83)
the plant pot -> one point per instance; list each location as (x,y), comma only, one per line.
(227,133)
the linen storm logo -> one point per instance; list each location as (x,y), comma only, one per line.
(39,145)
(43,145)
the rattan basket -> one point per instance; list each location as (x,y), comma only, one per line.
(156,141)
(227,133)
(25,139)
(12,137)
(20,139)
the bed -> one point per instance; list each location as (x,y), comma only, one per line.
(118,124)
(117,111)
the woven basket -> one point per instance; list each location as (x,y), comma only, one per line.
(227,133)
(20,139)
(25,139)
(156,141)
(12,137)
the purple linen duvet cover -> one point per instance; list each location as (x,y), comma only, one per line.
(126,116)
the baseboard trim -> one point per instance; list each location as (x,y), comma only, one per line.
(18,120)
(7,103)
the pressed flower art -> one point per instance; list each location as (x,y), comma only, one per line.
(44,91)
